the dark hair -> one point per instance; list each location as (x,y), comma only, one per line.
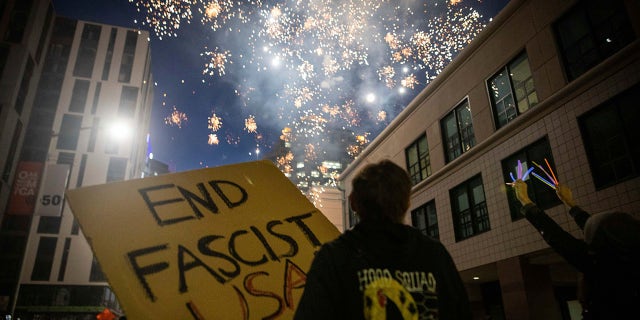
(381,191)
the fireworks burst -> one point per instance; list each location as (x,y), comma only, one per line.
(304,64)
(176,118)
(250,124)
(213,139)
(215,122)
(217,61)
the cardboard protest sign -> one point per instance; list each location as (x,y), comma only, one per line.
(231,242)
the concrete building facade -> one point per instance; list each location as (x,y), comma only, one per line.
(546,80)
(96,83)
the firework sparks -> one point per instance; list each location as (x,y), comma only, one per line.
(316,57)
(176,118)
(215,122)
(250,124)
(217,61)
(213,139)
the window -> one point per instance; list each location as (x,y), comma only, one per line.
(469,209)
(128,99)
(424,218)
(49,225)
(612,140)
(87,51)
(44,259)
(109,56)
(512,91)
(539,192)
(18,21)
(93,135)
(24,85)
(4,56)
(69,132)
(457,131)
(117,169)
(418,162)
(128,56)
(96,98)
(591,32)
(45,31)
(11,155)
(81,170)
(79,96)
(65,258)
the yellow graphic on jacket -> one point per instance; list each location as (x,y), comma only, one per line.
(380,293)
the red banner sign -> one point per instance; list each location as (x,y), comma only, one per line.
(23,196)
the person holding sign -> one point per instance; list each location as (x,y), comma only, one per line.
(383,268)
(608,257)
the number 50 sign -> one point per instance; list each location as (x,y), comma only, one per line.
(52,191)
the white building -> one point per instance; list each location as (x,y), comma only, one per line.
(95,77)
(547,79)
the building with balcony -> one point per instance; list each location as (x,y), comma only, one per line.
(546,80)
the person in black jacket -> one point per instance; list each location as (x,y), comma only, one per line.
(608,257)
(382,268)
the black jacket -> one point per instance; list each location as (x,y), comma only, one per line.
(611,272)
(359,274)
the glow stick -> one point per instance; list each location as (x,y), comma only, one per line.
(524,177)
(519,170)
(544,180)
(512,178)
(551,170)
(543,170)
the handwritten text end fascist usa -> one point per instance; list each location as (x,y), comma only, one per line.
(226,262)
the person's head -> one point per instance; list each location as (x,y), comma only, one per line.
(612,229)
(381,191)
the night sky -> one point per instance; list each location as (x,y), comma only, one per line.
(232,77)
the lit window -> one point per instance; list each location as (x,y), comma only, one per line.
(512,90)
(457,131)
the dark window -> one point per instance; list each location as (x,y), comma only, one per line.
(109,56)
(87,51)
(418,162)
(591,32)
(65,257)
(44,259)
(69,132)
(512,91)
(469,209)
(93,135)
(44,32)
(425,219)
(12,152)
(612,139)
(4,56)
(79,96)
(96,98)
(96,274)
(18,21)
(24,85)
(128,99)
(117,169)
(49,225)
(83,166)
(457,131)
(128,56)
(539,192)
